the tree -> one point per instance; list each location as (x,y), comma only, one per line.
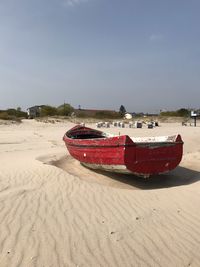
(183,112)
(122,110)
(48,111)
(65,110)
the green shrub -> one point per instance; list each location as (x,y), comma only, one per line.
(48,111)
(16,113)
(4,115)
(183,112)
(178,113)
(65,110)
(108,115)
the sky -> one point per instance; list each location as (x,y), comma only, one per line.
(101,54)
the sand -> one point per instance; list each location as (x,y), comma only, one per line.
(54,212)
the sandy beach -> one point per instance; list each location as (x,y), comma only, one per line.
(56,213)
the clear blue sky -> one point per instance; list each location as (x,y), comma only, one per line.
(144,54)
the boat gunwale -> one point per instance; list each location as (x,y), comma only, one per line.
(72,142)
(105,136)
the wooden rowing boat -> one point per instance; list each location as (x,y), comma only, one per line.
(143,156)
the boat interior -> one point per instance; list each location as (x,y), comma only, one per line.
(87,133)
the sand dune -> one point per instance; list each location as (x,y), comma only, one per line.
(55,212)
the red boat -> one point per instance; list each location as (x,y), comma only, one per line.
(140,156)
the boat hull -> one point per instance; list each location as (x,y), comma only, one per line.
(120,154)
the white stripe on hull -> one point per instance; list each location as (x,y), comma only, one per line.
(110,168)
(113,168)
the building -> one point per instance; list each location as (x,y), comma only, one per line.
(34,111)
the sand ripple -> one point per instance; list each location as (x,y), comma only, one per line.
(71,216)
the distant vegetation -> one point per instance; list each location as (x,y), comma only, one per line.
(46,111)
(12,114)
(97,114)
(178,113)
(68,110)
(50,111)
(63,110)
(108,115)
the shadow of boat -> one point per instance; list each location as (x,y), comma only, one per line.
(178,177)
